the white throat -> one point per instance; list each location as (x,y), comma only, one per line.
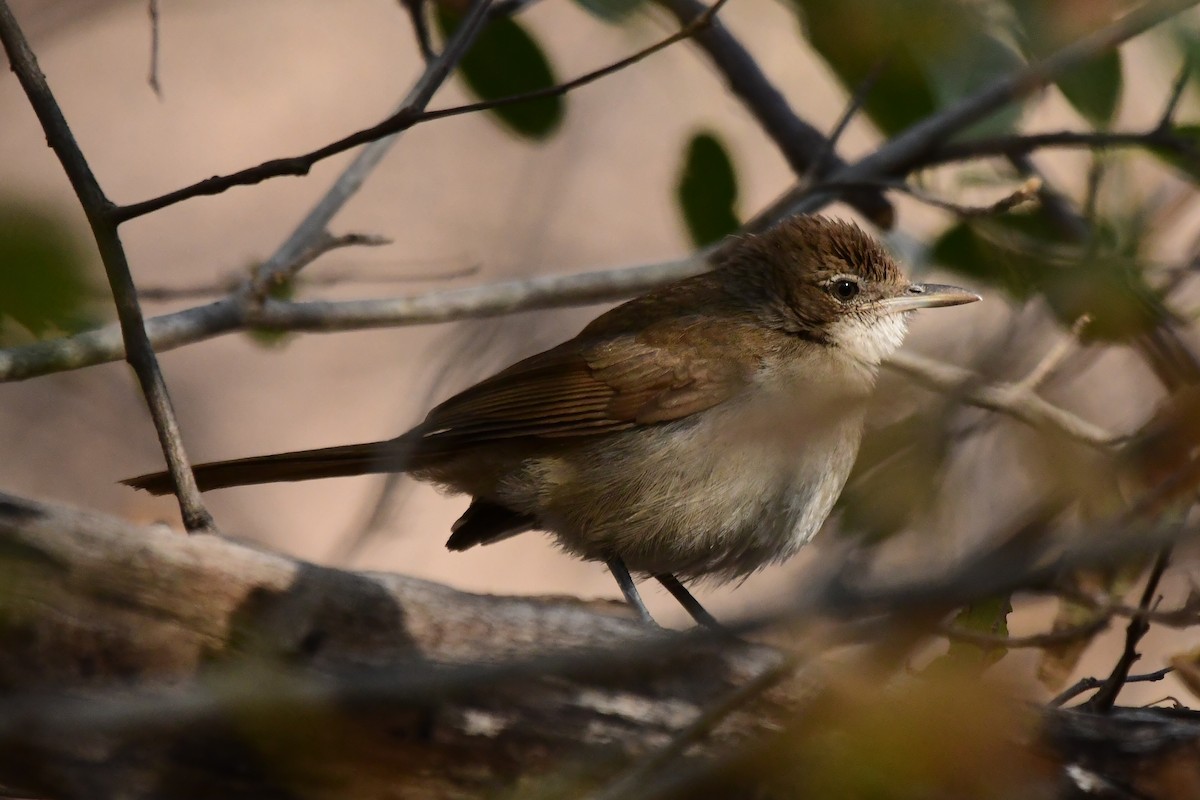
(870,339)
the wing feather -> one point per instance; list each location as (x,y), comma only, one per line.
(583,388)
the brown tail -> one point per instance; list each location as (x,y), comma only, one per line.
(302,465)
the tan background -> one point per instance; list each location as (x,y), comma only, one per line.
(244,82)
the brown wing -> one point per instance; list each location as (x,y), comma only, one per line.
(583,388)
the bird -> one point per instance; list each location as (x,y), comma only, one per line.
(700,431)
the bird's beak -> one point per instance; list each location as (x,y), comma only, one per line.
(927,295)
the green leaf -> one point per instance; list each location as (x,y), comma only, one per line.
(43,276)
(707,190)
(611,11)
(1026,255)
(988,617)
(506,60)
(1094,88)
(923,54)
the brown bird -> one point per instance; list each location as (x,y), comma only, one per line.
(703,429)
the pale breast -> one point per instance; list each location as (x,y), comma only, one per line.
(719,494)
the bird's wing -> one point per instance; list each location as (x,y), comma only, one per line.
(585,388)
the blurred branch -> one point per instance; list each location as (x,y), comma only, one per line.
(1014,399)
(98,209)
(408,116)
(1023,144)
(919,144)
(807,151)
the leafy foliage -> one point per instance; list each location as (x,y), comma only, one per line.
(1027,255)
(921,54)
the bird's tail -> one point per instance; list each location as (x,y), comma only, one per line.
(301,465)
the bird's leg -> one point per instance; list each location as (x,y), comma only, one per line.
(690,604)
(617,567)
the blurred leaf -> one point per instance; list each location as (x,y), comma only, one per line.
(506,60)
(1187,669)
(1025,255)
(924,54)
(869,738)
(611,11)
(895,477)
(1188,164)
(43,280)
(1094,88)
(988,617)
(707,190)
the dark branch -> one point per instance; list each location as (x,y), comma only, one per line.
(408,116)
(807,151)
(98,209)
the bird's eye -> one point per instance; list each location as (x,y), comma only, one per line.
(844,289)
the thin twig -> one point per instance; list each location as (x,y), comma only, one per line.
(98,209)
(1009,399)
(824,163)
(155,42)
(400,121)
(1023,194)
(1087,684)
(286,260)
(1054,357)
(1104,699)
(1167,118)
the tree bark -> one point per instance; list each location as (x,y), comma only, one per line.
(140,662)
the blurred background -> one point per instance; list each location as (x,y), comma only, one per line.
(469,200)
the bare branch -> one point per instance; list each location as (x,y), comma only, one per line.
(98,209)
(1013,400)
(169,331)
(289,258)
(405,118)
(1087,684)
